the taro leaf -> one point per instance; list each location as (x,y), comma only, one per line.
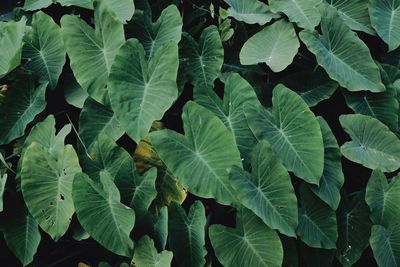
(44,49)
(105,156)
(312,87)
(142,91)
(250,11)
(123,9)
(100,45)
(383,198)
(383,106)
(237,93)
(167,28)
(19,104)
(3,181)
(146,255)
(101,213)
(293,132)
(268,190)
(202,61)
(354,14)
(11,34)
(317,221)
(74,93)
(276,45)
(160,229)
(31,5)
(304,12)
(186,234)
(96,119)
(385,18)
(21,234)
(332,178)
(342,54)
(354,227)
(251,243)
(201,157)
(137,191)
(46,184)
(373,145)
(385,244)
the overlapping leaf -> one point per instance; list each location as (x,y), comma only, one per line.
(385,244)
(146,254)
(250,11)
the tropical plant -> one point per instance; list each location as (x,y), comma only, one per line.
(200,133)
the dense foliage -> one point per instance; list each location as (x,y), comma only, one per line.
(199,133)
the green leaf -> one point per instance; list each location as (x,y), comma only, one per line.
(332,178)
(251,243)
(92,68)
(382,106)
(373,145)
(354,14)
(101,213)
(96,119)
(202,61)
(160,231)
(250,11)
(3,181)
(21,234)
(74,93)
(385,244)
(142,91)
(237,93)
(342,54)
(31,5)
(123,9)
(354,228)
(201,157)
(382,198)
(276,45)
(44,49)
(267,191)
(304,12)
(186,234)
(293,132)
(11,34)
(167,28)
(46,184)
(317,221)
(385,16)
(146,255)
(19,105)
(312,87)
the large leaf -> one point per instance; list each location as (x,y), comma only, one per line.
(167,28)
(332,178)
(373,145)
(11,34)
(276,45)
(21,233)
(383,106)
(251,243)
(385,18)
(250,11)
(101,213)
(202,61)
(354,227)
(293,132)
(186,234)
(342,54)
(100,45)
(19,105)
(142,91)
(383,198)
(304,12)
(46,184)
(96,119)
(312,87)
(44,49)
(237,93)
(267,191)
(317,221)
(354,14)
(385,244)
(146,255)
(200,159)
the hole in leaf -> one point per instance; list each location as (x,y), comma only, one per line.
(62,197)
